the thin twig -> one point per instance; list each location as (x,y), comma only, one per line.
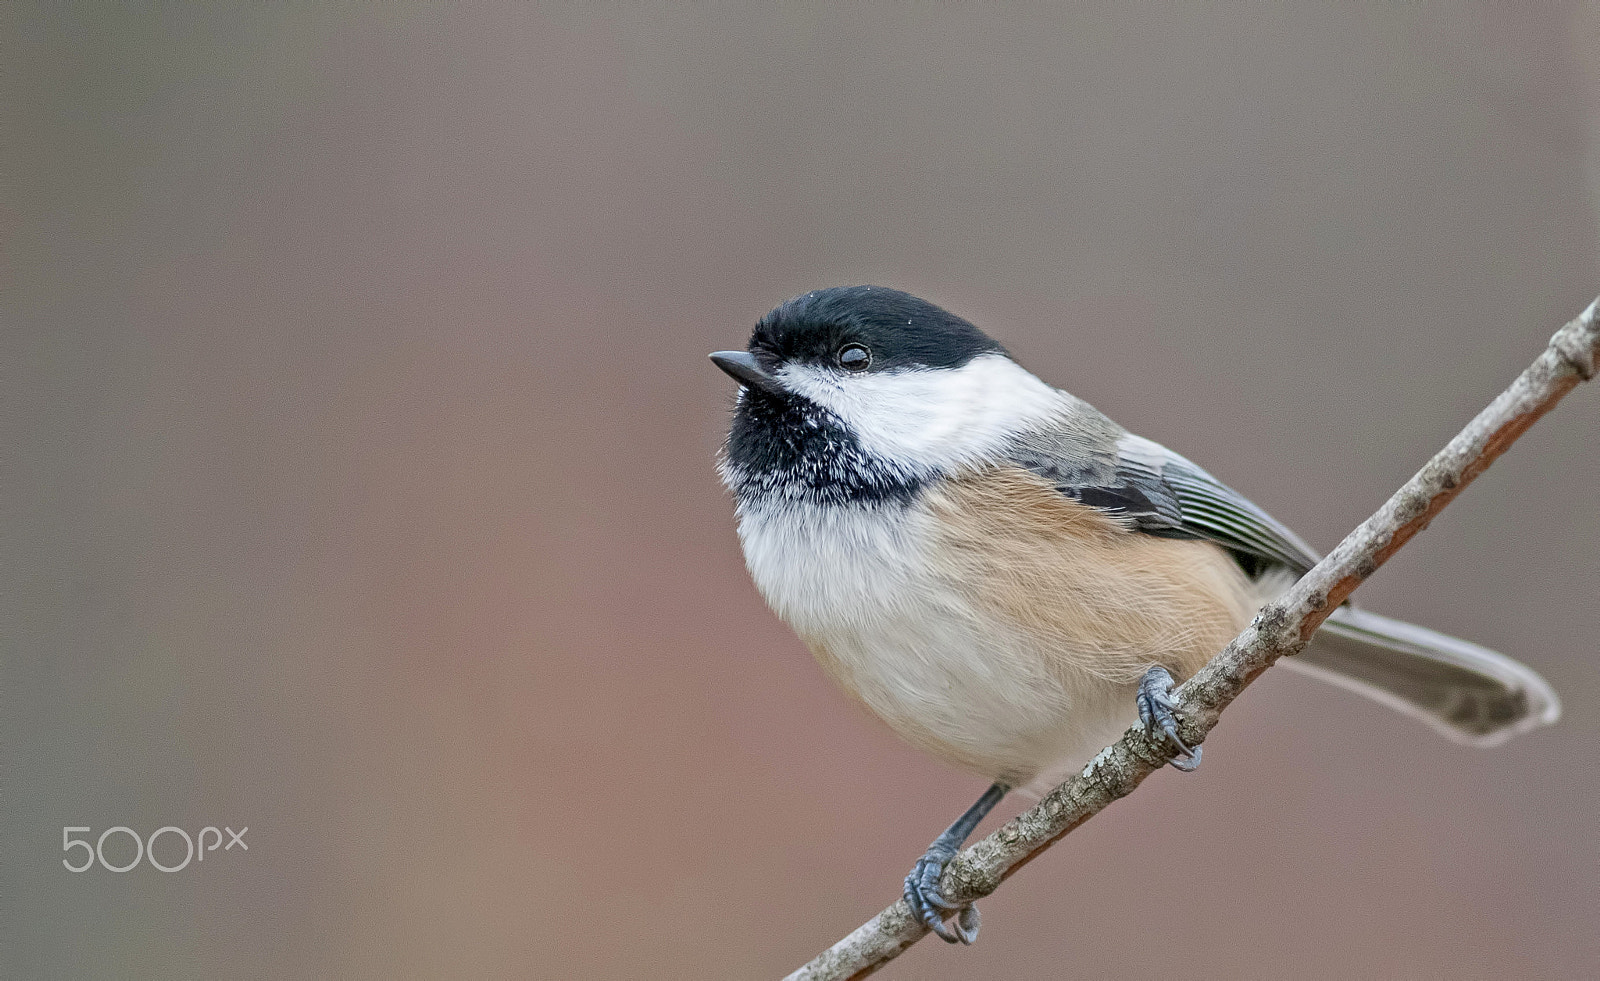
(1282,628)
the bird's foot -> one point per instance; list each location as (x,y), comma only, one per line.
(922,895)
(1156,712)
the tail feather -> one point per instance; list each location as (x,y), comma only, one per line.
(1469,693)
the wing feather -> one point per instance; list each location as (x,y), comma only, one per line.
(1160,493)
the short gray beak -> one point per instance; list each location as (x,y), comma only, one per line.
(742,366)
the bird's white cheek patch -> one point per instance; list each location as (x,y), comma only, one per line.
(930,419)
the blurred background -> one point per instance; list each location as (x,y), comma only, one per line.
(360,484)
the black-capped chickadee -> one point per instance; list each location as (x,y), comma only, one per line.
(1007,577)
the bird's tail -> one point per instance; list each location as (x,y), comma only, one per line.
(1469,693)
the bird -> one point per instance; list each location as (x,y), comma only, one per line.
(1008,578)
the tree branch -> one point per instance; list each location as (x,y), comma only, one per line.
(1282,628)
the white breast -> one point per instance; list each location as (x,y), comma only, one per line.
(854,582)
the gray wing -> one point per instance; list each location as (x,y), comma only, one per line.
(1160,493)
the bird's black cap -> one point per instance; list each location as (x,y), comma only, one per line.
(900,330)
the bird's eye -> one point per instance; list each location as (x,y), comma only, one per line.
(854,357)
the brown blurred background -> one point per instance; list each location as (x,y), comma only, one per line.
(359,484)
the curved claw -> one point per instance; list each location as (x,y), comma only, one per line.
(967,923)
(922,885)
(928,906)
(1156,711)
(1190,763)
